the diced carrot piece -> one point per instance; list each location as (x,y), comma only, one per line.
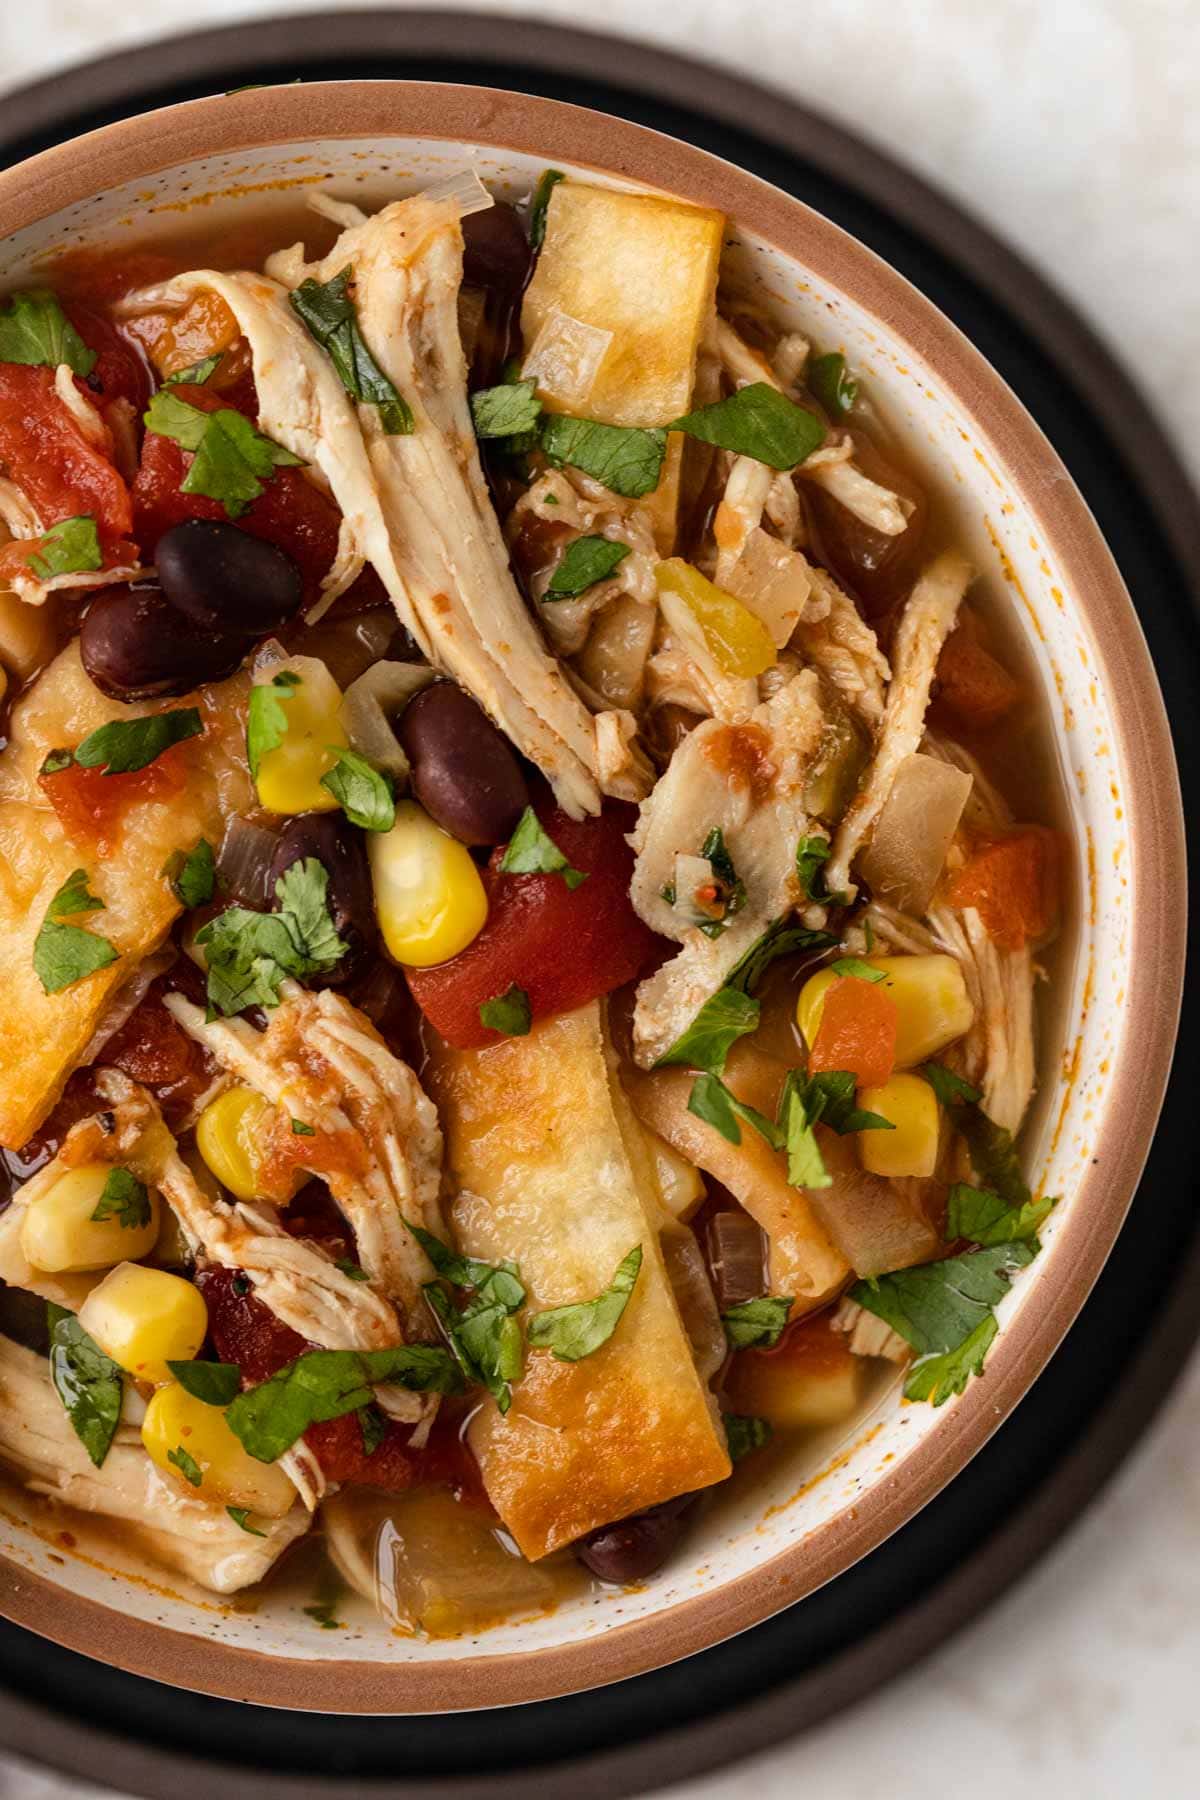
(973,686)
(1012,882)
(857,1031)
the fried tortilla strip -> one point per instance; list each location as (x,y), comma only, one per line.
(546,1177)
(43,1036)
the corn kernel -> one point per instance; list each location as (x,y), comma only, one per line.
(229,1476)
(144,1318)
(429,898)
(228,1134)
(911,1149)
(738,641)
(932,1004)
(58,1232)
(289,776)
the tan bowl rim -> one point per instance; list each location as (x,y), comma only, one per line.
(138,148)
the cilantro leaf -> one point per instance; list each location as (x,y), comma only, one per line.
(493,1283)
(197,373)
(241,1516)
(584,563)
(540,206)
(532,851)
(949,1087)
(328,313)
(367,797)
(993,1151)
(945,1310)
(757,1324)
(855,966)
(35,330)
(508,1012)
(779,939)
(192,875)
(352,1270)
(744,1434)
(266,721)
(125,745)
(373,1426)
(250,954)
(55,761)
(756,421)
(799,1110)
(725,1016)
(72,547)
(731,890)
(509,410)
(187,1465)
(216,1383)
(577,1330)
(812,853)
(300,1129)
(231,457)
(125,1199)
(325,1384)
(713,1102)
(483,1336)
(627,459)
(984,1218)
(64,954)
(831,382)
(86,1380)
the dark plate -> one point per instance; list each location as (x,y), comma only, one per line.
(1108,1378)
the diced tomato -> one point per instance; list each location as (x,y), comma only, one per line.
(290,512)
(152,1049)
(562,946)
(91,805)
(857,1031)
(245,1332)
(1012,882)
(51,461)
(973,687)
(119,372)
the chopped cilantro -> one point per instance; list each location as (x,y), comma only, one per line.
(125,745)
(508,1012)
(584,563)
(577,1330)
(72,547)
(366,796)
(757,1324)
(532,851)
(757,421)
(231,457)
(328,313)
(64,954)
(125,1199)
(35,330)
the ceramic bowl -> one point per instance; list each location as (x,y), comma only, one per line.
(1107,1036)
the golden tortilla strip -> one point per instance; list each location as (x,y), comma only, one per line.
(43,1036)
(535,1143)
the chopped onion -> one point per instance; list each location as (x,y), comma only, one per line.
(688,1275)
(736,1255)
(877,1224)
(772,581)
(464,188)
(371,703)
(565,359)
(908,848)
(244,860)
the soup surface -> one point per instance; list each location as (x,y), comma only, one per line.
(525,863)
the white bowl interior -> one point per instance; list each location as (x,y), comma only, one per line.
(1081,1029)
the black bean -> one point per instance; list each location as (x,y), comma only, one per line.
(135,646)
(225,579)
(340,846)
(635,1548)
(463,771)
(496,251)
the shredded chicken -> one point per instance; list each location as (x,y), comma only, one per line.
(749,779)
(833,468)
(376,1144)
(869,1335)
(446,564)
(834,638)
(924,626)
(199,1540)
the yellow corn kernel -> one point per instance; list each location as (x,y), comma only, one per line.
(229,1476)
(911,1149)
(429,898)
(144,1318)
(228,1134)
(680,1182)
(738,642)
(289,776)
(933,1008)
(58,1232)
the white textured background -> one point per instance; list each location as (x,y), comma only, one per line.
(1072,127)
